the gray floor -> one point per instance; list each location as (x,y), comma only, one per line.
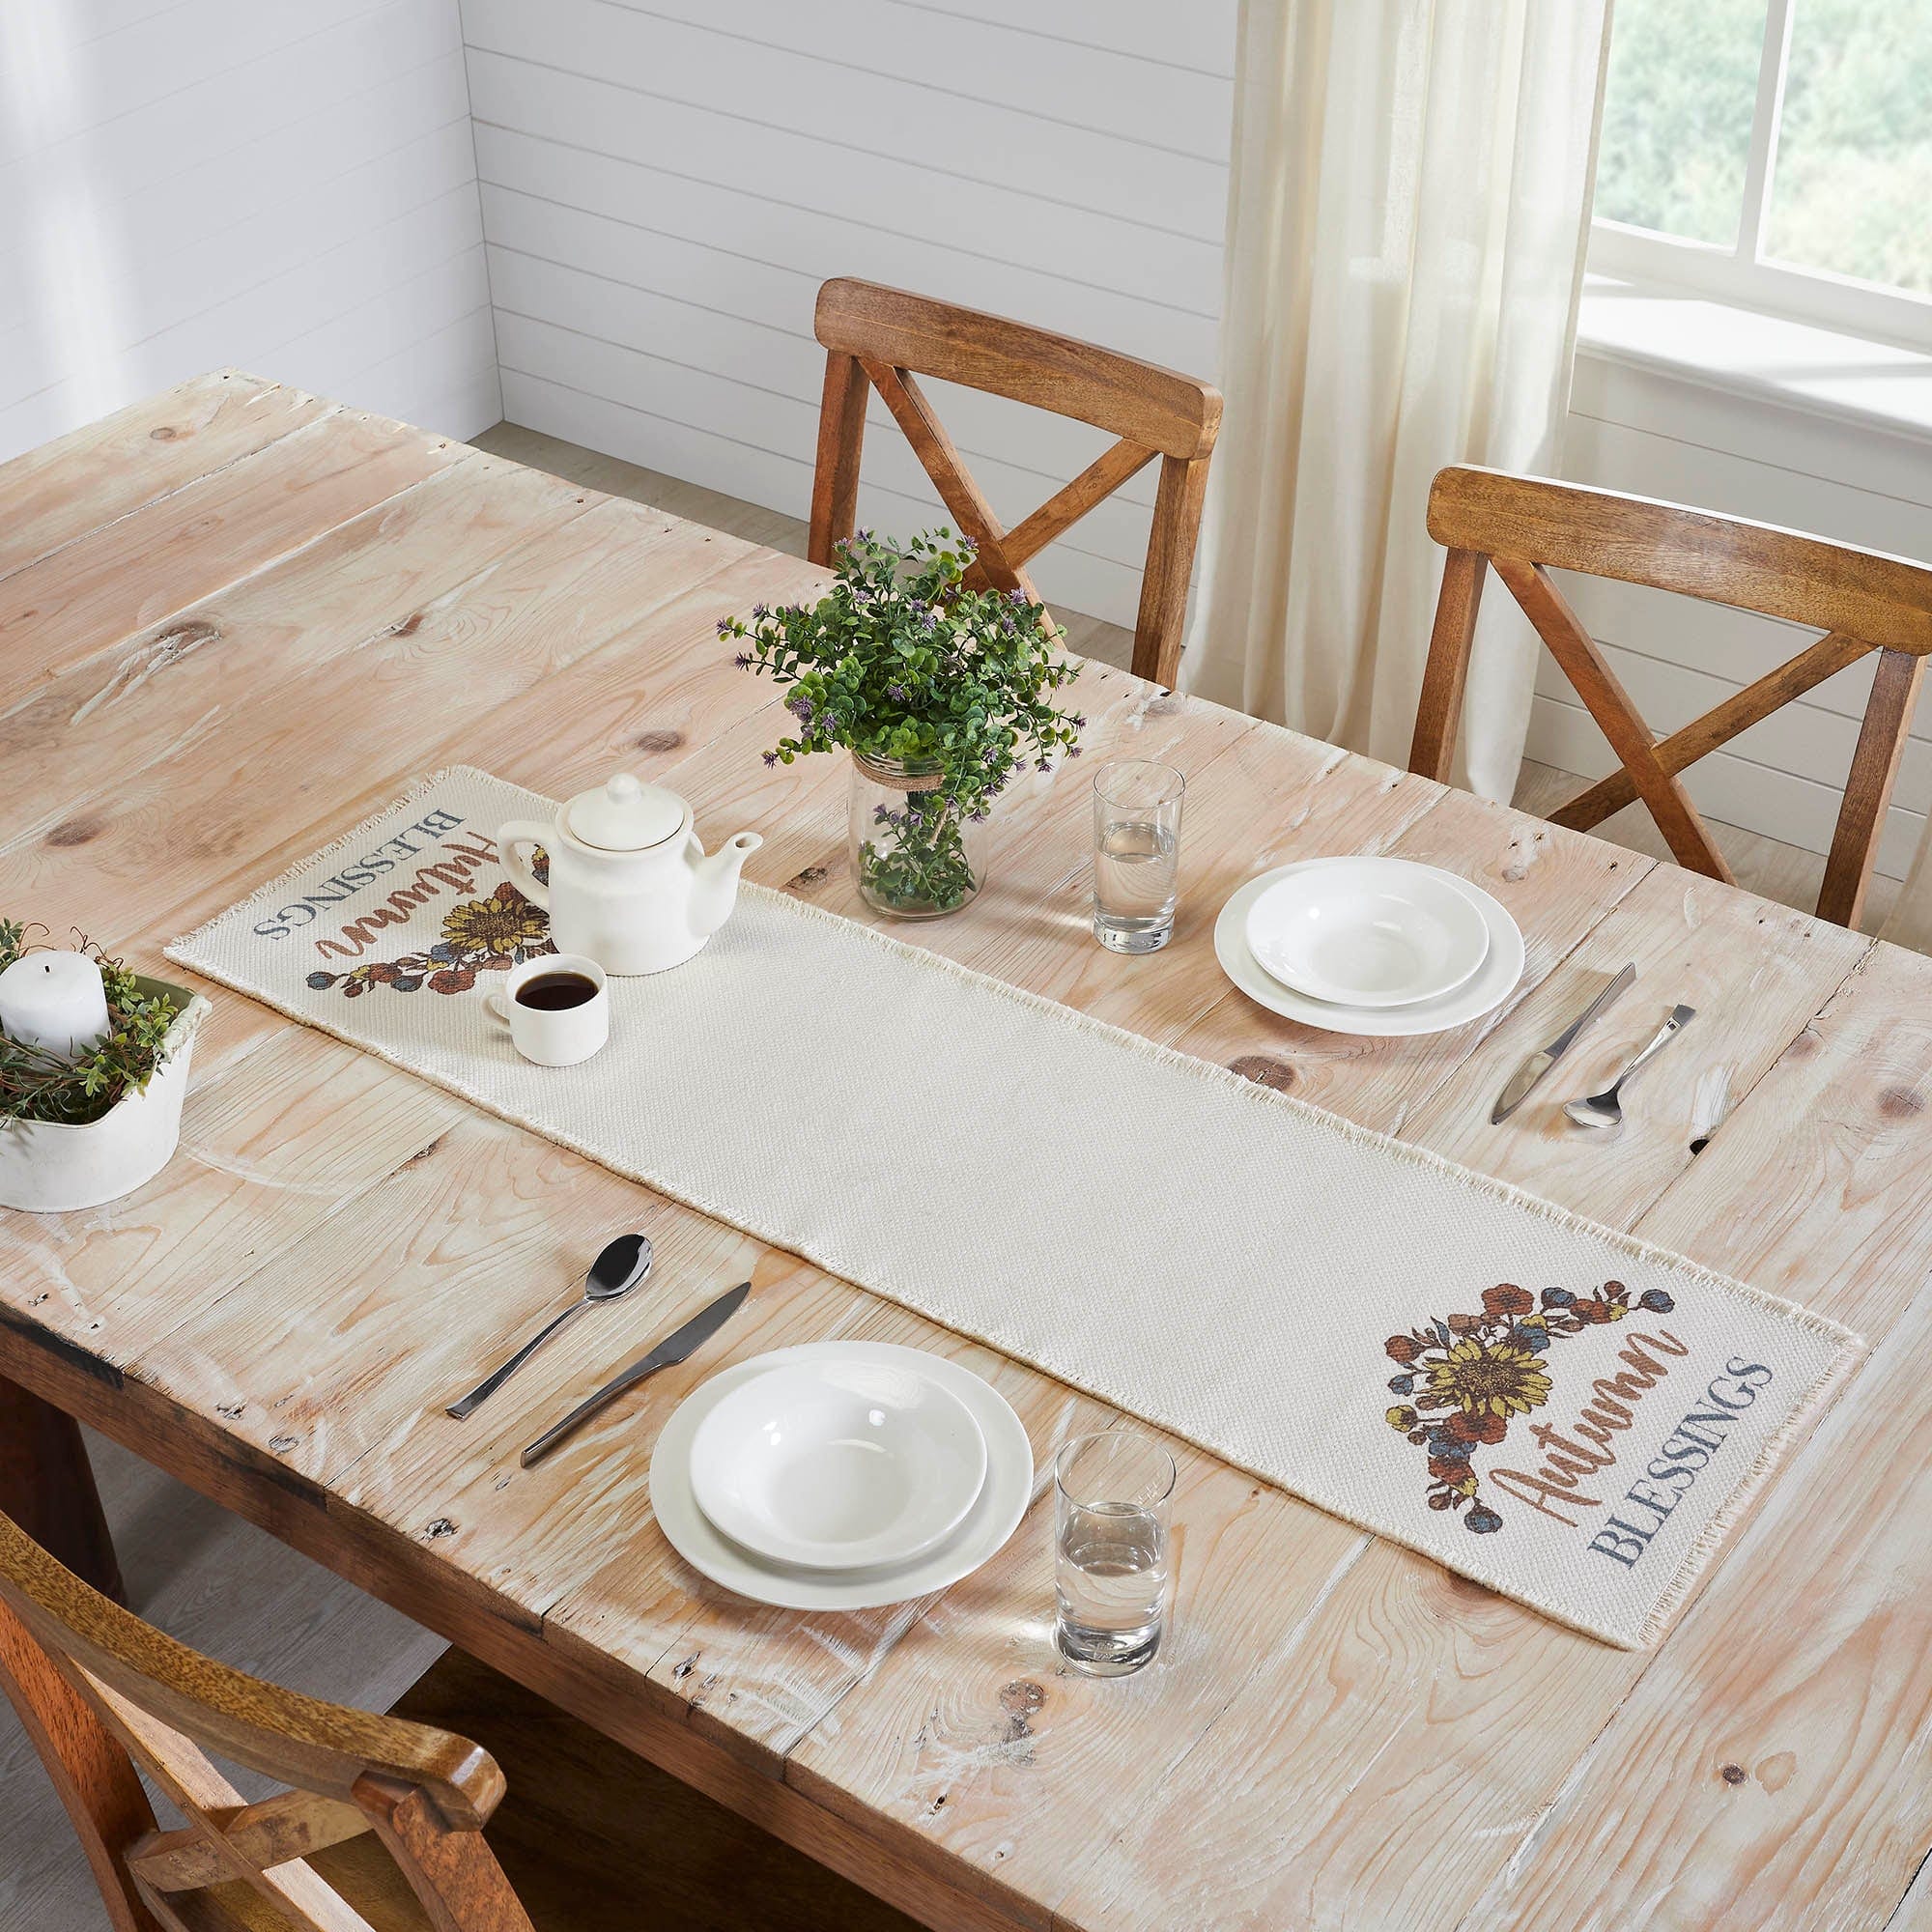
(234,1591)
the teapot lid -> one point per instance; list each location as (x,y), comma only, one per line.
(624,816)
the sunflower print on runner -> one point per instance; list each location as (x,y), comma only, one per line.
(1467,1376)
(488,935)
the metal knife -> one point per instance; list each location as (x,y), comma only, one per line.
(1538,1065)
(675,1348)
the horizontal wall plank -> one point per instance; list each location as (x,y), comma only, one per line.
(73,83)
(149,219)
(1794,438)
(1150,30)
(216,183)
(236,274)
(814,243)
(1018,64)
(801,170)
(667,182)
(736,317)
(880,112)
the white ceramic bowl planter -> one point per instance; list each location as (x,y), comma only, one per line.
(49,1165)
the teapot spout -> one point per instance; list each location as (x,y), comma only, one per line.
(714,882)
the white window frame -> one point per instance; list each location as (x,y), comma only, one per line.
(1740,274)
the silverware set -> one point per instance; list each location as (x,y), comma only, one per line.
(1600,1113)
(617,1269)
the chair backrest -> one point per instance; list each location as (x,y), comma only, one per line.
(1862,600)
(886,340)
(99,1691)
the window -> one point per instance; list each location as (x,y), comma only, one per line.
(1774,154)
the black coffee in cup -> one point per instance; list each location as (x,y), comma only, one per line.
(555,992)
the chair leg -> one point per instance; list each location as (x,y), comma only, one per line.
(47,1486)
(1169,564)
(1438,710)
(841,435)
(1869,790)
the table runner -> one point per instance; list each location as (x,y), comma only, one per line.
(1563,1413)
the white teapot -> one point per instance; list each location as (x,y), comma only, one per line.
(629,883)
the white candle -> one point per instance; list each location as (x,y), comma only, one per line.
(54,1001)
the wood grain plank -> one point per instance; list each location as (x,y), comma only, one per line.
(225,820)
(89,730)
(971,1733)
(100,588)
(1830,1819)
(1558,886)
(1341,1732)
(1374,1799)
(257,1168)
(98,474)
(1755,972)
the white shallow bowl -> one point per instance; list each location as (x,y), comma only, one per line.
(839,1465)
(1485,989)
(1368,932)
(995,1515)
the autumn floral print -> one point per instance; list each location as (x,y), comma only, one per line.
(1467,1376)
(488,935)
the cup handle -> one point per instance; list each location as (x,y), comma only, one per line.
(493,1004)
(521,832)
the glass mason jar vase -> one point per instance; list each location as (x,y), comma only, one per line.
(914,855)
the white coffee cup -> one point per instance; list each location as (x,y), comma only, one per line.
(557,1033)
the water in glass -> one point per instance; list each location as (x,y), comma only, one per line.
(1110,1578)
(1111,1493)
(1136,854)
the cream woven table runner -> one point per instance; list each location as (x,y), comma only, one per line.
(1551,1408)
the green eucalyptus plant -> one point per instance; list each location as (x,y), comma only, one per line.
(36,1085)
(904,667)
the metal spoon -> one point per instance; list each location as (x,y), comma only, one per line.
(1604,1109)
(616,1271)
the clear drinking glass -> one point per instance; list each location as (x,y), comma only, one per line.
(1111,1493)
(1136,853)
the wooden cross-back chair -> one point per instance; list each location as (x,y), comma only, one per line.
(99,1691)
(381,1828)
(1524,527)
(885,340)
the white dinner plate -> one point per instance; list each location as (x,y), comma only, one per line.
(993,1517)
(1360,931)
(1486,989)
(839,1465)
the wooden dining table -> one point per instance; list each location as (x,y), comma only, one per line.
(237,619)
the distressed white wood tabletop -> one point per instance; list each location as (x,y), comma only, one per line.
(236,619)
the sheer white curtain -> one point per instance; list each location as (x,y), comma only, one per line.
(1405,231)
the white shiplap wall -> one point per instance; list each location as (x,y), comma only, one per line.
(1655,434)
(666,187)
(289,188)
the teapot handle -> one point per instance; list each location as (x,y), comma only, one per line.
(521,832)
